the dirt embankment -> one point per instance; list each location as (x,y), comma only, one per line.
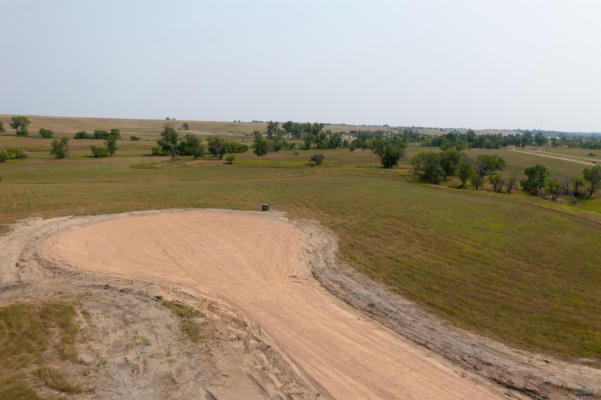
(273,271)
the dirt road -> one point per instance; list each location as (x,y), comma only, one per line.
(253,263)
(579,160)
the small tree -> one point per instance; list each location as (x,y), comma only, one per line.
(60,148)
(111,146)
(537,177)
(46,133)
(1,126)
(574,186)
(389,151)
(185,126)
(82,135)
(426,166)
(593,177)
(216,146)
(115,134)
(317,158)
(230,159)
(511,181)
(476,180)
(260,144)
(553,187)
(134,138)
(486,163)
(99,152)
(191,146)
(3,156)
(169,140)
(465,172)
(497,182)
(19,124)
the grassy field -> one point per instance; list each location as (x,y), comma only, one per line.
(515,268)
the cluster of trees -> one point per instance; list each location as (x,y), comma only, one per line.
(435,167)
(539,182)
(576,141)
(20,123)
(363,139)
(12,153)
(109,149)
(470,139)
(191,145)
(46,133)
(100,134)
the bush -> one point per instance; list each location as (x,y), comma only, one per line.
(230,159)
(389,151)
(235,147)
(476,180)
(216,146)
(134,138)
(3,156)
(191,146)
(82,135)
(538,176)
(426,167)
(60,148)
(465,172)
(1,126)
(99,152)
(486,163)
(317,158)
(114,134)
(46,133)
(19,124)
(16,153)
(158,151)
(497,182)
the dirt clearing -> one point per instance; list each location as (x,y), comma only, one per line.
(254,263)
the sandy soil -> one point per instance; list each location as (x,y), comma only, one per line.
(254,264)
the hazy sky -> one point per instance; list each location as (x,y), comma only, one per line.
(462,63)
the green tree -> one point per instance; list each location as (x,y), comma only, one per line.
(46,133)
(426,166)
(317,158)
(169,140)
(540,139)
(60,148)
(260,144)
(111,146)
(574,186)
(191,146)
(449,161)
(185,126)
(497,182)
(486,163)
(216,146)
(20,123)
(511,181)
(230,159)
(553,187)
(1,126)
(537,177)
(476,180)
(465,171)
(99,152)
(389,151)
(593,177)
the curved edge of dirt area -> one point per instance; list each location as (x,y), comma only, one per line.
(235,356)
(529,374)
(521,374)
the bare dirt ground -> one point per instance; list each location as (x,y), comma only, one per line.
(274,272)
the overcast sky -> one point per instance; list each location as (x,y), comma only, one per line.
(463,63)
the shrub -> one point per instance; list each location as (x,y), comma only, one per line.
(158,151)
(16,153)
(486,163)
(465,172)
(553,187)
(593,177)
(426,167)
(111,146)
(260,144)
(230,159)
(169,141)
(191,146)
(185,126)
(3,156)
(60,148)
(134,138)
(235,147)
(389,151)
(216,146)
(537,179)
(476,180)
(1,126)
(497,182)
(99,152)
(82,135)
(19,124)
(46,133)
(317,158)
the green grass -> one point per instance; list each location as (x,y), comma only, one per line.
(32,334)
(515,268)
